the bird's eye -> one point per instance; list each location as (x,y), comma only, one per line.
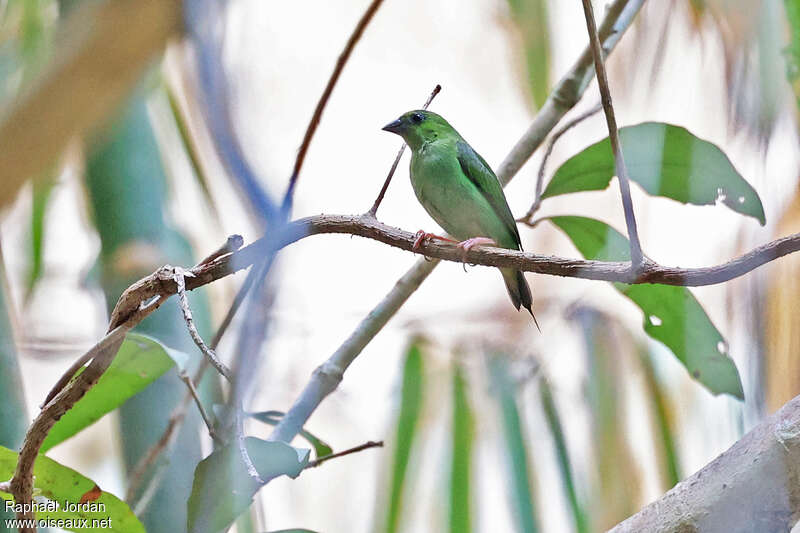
(417,118)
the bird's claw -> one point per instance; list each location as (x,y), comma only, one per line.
(420,237)
(469,244)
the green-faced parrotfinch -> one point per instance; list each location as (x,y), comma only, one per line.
(460,192)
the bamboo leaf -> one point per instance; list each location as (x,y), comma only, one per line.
(411,401)
(530,17)
(520,492)
(562,453)
(462,436)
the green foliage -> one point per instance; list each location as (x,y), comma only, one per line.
(615,490)
(13,413)
(139,361)
(664,432)
(223,488)
(530,17)
(61,484)
(411,402)
(41,196)
(672,315)
(553,420)
(666,161)
(792,51)
(321,448)
(504,389)
(462,436)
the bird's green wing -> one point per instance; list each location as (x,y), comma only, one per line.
(480,174)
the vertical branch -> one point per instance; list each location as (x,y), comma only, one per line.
(374,209)
(637,258)
(323,100)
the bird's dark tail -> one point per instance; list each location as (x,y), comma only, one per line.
(519,291)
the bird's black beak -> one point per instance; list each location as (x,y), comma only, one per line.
(394,127)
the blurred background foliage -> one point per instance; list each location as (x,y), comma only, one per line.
(503,434)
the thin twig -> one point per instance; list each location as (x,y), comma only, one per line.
(200,407)
(178,277)
(374,209)
(319,460)
(164,443)
(637,258)
(323,100)
(537,198)
(233,243)
(178,416)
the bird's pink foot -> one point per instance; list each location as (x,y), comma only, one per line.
(469,244)
(421,235)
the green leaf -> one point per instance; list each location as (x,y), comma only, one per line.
(411,402)
(41,196)
(553,420)
(294,531)
(223,488)
(672,315)
(661,413)
(321,448)
(665,160)
(461,457)
(139,361)
(792,51)
(504,388)
(530,17)
(65,486)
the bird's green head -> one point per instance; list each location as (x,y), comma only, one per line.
(419,127)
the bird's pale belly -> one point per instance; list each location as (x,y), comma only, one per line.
(453,203)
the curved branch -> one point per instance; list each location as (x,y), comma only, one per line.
(651,272)
(161,284)
(323,99)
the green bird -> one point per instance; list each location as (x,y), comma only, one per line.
(460,192)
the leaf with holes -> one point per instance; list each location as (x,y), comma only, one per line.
(672,315)
(139,361)
(665,160)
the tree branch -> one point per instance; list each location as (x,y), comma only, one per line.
(753,486)
(373,211)
(156,288)
(367,445)
(651,272)
(637,258)
(551,144)
(565,95)
(323,99)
